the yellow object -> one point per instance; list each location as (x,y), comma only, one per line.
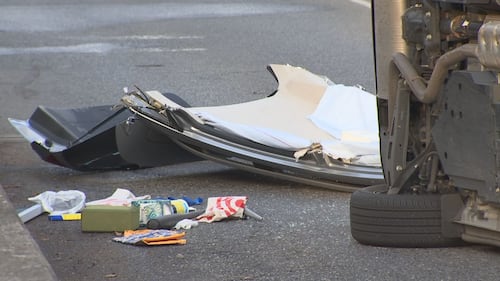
(170,240)
(179,206)
(66,217)
(152,237)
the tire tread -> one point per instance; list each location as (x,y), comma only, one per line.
(401,220)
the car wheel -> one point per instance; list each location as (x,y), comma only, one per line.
(402,220)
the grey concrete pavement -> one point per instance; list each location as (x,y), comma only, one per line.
(304,235)
(20,256)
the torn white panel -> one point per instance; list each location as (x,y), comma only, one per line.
(298,95)
(306,109)
(348,114)
(262,135)
(353,152)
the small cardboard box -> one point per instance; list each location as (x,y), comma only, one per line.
(102,218)
(151,209)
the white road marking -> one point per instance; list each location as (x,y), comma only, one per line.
(81,48)
(153,37)
(172,50)
(95,48)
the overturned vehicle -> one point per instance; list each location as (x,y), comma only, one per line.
(437,66)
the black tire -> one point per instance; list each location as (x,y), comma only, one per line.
(401,220)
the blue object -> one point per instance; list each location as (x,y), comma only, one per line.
(189,201)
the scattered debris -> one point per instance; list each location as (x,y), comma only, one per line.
(189,201)
(104,218)
(137,220)
(329,125)
(152,208)
(121,197)
(219,208)
(65,217)
(186,224)
(111,275)
(30,213)
(171,221)
(152,237)
(61,202)
(252,214)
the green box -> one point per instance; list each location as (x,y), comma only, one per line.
(102,218)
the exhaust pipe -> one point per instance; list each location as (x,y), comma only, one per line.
(428,93)
(487,51)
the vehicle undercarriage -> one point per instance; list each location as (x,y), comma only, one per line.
(437,65)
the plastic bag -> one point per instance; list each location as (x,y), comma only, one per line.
(61,202)
(219,208)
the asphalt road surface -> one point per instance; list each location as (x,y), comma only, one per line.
(81,53)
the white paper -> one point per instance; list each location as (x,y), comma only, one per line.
(121,197)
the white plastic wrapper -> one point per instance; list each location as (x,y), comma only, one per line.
(186,224)
(61,202)
(121,197)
